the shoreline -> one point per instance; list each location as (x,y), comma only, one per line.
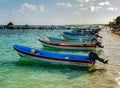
(115,35)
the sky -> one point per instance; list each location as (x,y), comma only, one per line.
(58,12)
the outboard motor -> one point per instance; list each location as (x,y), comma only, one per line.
(95,57)
(93,33)
(98,35)
(95,42)
(99,45)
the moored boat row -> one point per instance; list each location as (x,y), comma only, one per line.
(66,44)
(73,41)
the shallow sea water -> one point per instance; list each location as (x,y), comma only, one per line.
(17,72)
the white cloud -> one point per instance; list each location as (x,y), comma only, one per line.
(82,1)
(79,10)
(112,9)
(104,3)
(85,1)
(67,5)
(93,8)
(20,11)
(35,8)
(77,13)
(78,5)
(83,9)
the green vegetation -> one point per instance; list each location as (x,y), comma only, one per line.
(115,24)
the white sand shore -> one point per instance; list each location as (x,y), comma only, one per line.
(116,36)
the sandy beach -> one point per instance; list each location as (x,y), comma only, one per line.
(115,36)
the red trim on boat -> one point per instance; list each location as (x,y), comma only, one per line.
(47,42)
(57,59)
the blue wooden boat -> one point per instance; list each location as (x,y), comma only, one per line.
(86,30)
(84,37)
(73,41)
(46,56)
(82,30)
(93,32)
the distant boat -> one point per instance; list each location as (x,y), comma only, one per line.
(87,30)
(47,56)
(82,30)
(74,41)
(53,57)
(67,46)
(84,37)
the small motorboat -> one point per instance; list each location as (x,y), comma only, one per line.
(84,37)
(47,56)
(69,46)
(77,41)
(87,30)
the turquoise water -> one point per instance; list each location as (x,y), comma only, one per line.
(16,72)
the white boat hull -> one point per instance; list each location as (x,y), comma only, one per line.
(69,48)
(55,61)
(74,43)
